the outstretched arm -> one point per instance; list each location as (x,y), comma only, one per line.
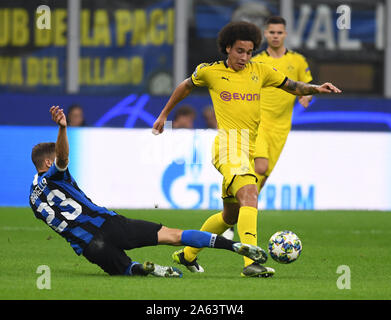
(300,88)
(62,146)
(180,93)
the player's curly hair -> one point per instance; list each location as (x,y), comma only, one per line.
(239,30)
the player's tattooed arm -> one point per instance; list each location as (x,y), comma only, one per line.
(300,88)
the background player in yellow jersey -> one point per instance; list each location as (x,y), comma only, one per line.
(277,105)
(234,86)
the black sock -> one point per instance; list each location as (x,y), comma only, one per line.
(223,243)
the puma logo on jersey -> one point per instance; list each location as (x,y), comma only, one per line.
(251,234)
(224,78)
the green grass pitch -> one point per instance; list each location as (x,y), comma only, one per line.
(356,239)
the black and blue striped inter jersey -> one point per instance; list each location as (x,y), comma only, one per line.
(57,200)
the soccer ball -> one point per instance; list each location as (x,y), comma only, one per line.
(284,246)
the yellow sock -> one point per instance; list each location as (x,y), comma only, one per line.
(214,224)
(247,228)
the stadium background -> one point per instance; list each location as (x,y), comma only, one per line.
(130,57)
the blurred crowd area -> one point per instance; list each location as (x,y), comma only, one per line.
(126,56)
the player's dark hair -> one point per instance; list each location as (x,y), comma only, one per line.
(275,20)
(239,30)
(41,151)
(185,110)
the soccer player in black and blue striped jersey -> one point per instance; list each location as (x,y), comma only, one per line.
(99,234)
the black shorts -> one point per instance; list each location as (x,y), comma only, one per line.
(117,234)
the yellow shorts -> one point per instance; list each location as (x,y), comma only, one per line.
(232,183)
(236,174)
(269,145)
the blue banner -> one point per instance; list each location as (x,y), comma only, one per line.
(140,111)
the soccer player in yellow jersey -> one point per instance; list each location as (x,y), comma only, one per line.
(277,105)
(234,86)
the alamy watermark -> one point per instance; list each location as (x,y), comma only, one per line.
(231,146)
(44,280)
(343,281)
(344,19)
(43,17)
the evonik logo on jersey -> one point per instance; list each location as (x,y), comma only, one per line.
(228,96)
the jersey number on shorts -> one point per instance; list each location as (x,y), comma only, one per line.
(65,202)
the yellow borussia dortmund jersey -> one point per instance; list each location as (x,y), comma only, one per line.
(277,105)
(236,96)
